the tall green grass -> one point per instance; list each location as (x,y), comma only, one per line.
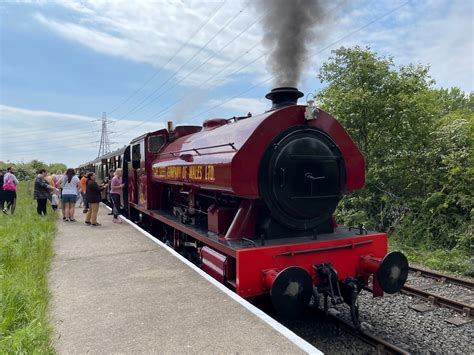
(26,249)
(454,261)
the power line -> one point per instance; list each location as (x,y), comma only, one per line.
(203,24)
(151,78)
(312,55)
(141,104)
(269,78)
(203,63)
(225,66)
(156,115)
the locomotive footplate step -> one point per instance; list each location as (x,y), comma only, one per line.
(116,291)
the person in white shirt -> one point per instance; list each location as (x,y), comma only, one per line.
(70,186)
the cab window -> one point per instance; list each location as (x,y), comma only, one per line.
(155,143)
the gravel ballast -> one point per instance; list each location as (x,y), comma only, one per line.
(393,319)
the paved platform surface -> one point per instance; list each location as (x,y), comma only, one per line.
(115,291)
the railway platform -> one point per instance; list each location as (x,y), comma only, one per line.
(115,290)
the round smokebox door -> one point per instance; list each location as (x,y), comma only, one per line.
(307,176)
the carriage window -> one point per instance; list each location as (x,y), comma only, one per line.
(136,152)
(136,156)
(155,143)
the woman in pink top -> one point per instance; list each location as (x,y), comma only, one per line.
(116,187)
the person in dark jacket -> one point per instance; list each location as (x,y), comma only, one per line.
(93,198)
(42,192)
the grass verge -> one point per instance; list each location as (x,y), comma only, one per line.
(26,249)
(454,261)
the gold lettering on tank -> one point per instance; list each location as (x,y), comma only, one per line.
(185,172)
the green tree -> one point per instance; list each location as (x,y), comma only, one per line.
(28,171)
(37,165)
(416,140)
(55,167)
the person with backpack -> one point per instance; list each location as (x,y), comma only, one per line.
(10,182)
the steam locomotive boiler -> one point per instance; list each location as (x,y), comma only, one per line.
(251,200)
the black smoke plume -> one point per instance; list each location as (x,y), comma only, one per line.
(289,28)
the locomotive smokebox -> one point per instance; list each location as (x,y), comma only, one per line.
(283,96)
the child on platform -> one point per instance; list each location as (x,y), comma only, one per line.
(54,201)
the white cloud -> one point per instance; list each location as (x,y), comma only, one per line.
(102,42)
(435,33)
(243,105)
(152,31)
(59,137)
(439,33)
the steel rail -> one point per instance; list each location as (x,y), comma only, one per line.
(382,346)
(466,309)
(442,277)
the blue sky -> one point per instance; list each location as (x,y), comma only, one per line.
(63,63)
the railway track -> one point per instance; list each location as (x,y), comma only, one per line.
(442,277)
(382,346)
(465,308)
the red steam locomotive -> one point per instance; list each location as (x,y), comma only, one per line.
(251,200)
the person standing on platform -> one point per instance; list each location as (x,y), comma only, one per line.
(54,200)
(50,181)
(83,183)
(42,192)
(116,187)
(70,185)
(93,198)
(59,177)
(10,182)
(81,198)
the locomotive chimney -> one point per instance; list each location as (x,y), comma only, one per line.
(283,96)
(170,126)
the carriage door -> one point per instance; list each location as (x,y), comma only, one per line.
(134,165)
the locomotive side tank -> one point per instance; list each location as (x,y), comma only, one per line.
(299,168)
(251,200)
